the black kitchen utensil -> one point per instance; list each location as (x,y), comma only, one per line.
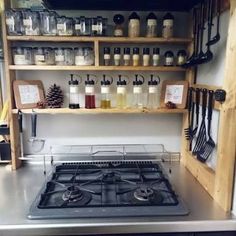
(190,91)
(209,146)
(197,102)
(208,55)
(20,123)
(216,38)
(220,95)
(201,138)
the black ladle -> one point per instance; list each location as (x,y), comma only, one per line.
(208,56)
(216,38)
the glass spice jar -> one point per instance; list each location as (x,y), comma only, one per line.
(69,56)
(146,56)
(39,56)
(151,27)
(126,57)
(59,56)
(156,57)
(119,28)
(135,56)
(168,26)
(64,26)
(117,56)
(31,22)
(14,22)
(22,56)
(48,22)
(107,56)
(134,25)
(181,57)
(94,26)
(89,57)
(169,58)
(83,26)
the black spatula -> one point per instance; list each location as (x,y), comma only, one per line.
(209,146)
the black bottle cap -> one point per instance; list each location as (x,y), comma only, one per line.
(72,81)
(89,81)
(118,19)
(135,50)
(156,50)
(146,51)
(154,81)
(151,16)
(107,50)
(181,53)
(134,15)
(169,54)
(116,50)
(126,50)
(138,81)
(168,16)
(121,82)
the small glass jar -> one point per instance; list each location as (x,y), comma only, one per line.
(107,56)
(138,92)
(156,57)
(22,56)
(127,57)
(153,96)
(94,26)
(135,56)
(117,56)
(39,56)
(59,56)
(48,22)
(49,56)
(69,56)
(134,25)
(78,26)
(31,22)
(119,28)
(181,57)
(151,21)
(89,56)
(14,22)
(90,93)
(169,58)
(168,26)
(146,56)
(100,26)
(106,93)
(79,57)
(74,93)
(121,97)
(64,26)
(85,27)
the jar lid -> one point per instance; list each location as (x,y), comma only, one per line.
(116,50)
(135,50)
(118,19)
(134,15)
(89,82)
(126,50)
(121,82)
(181,53)
(146,50)
(105,82)
(156,50)
(154,81)
(73,82)
(169,54)
(138,81)
(151,16)
(168,16)
(107,50)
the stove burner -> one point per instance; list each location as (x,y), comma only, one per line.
(144,194)
(72,194)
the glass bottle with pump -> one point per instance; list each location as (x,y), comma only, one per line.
(153,98)
(74,92)
(90,92)
(121,97)
(105,92)
(138,92)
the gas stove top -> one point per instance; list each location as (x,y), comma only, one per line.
(107,189)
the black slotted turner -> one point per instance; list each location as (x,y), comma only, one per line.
(197,102)
(209,146)
(188,131)
(201,138)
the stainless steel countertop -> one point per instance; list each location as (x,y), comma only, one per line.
(19,188)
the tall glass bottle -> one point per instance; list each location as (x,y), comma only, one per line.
(121,97)
(153,97)
(105,92)
(90,93)
(138,92)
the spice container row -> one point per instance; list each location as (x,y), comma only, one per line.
(80,56)
(136,56)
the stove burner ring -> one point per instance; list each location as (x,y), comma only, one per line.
(144,194)
(73,194)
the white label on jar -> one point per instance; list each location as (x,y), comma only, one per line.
(77,26)
(168,23)
(126,56)
(169,61)
(27,22)
(39,58)
(99,28)
(156,57)
(135,57)
(61,26)
(74,89)
(89,89)
(95,27)
(74,98)
(117,56)
(59,58)
(181,60)
(134,22)
(152,22)
(79,60)
(121,90)
(107,56)
(10,21)
(105,89)
(118,32)
(146,59)
(152,89)
(137,89)
(19,59)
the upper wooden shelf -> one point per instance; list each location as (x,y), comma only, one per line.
(100,111)
(100,39)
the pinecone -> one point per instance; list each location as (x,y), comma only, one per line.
(54,97)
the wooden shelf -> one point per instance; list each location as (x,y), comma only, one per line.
(99,68)
(100,111)
(100,39)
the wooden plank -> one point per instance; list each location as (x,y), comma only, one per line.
(78,39)
(227,128)
(98,68)
(10,76)
(100,111)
